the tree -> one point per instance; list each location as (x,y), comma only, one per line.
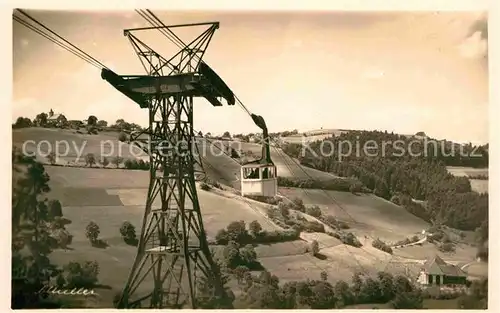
(323,296)
(32,269)
(127,230)
(357,284)
(82,276)
(60,281)
(226,134)
(324,275)
(51,157)
(234,154)
(237,231)
(343,293)
(55,209)
(92,232)
(408,300)
(299,204)
(117,161)
(370,291)
(248,254)
(102,123)
(477,298)
(122,137)
(314,211)
(255,228)
(41,119)
(92,120)
(284,210)
(22,122)
(314,248)
(222,237)
(62,121)
(105,161)
(402,284)
(386,286)
(240,271)
(90,159)
(207,298)
(64,238)
(231,255)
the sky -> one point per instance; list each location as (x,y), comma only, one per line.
(396,71)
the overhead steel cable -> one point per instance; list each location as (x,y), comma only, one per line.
(156,22)
(48,37)
(64,44)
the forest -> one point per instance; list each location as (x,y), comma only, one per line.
(404,175)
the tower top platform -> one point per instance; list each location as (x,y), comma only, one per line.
(202,83)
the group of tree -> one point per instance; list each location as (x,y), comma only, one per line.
(43,120)
(91,160)
(414,174)
(237,232)
(265,292)
(131,164)
(22,122)
(287,214)
(235,255)
(122,125)
(38,227)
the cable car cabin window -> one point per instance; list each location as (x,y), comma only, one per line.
(251,173)
(272,174)
(268,172)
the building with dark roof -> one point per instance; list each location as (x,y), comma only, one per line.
(435,271)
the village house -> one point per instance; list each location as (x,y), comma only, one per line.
(436,272)
(55,120)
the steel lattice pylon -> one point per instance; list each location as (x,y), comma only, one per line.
(173,254)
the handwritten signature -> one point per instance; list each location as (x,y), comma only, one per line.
(67,292)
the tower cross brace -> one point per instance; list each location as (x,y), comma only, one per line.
(173,260)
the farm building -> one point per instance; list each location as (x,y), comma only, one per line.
(435,271)
(55,119)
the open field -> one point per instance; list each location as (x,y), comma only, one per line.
(466,171)
(462,255)
(478,185)
(366,214)
(313,135)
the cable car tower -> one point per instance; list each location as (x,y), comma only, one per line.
(173,254)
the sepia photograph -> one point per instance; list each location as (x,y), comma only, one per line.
(250,159)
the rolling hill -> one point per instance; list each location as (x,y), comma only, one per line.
(111,196)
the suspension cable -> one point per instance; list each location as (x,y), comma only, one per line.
(156,22)
(59,40)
